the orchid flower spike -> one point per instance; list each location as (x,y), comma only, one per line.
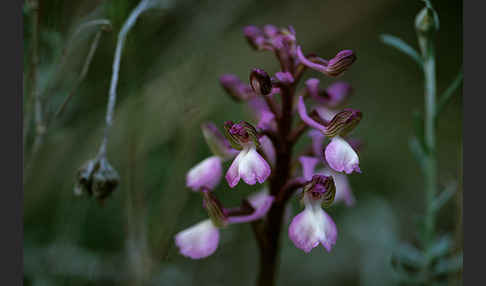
(339,154)
(249,165)
(313,226)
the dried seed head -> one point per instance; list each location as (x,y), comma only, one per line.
(96,178)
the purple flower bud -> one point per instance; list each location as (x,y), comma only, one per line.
(334,67)
(198,241)
(340,63)
(238,90)
(260,82)
(206,174)
(341,157)
(343,122)
(270,31)
(254,36)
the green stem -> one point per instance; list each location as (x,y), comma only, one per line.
(430,171)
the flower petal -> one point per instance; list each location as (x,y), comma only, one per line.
(233,173)
(315,66)
(309,121)
(205,174)
(261,202)
(317,140)
(253,168)
(308,165)
(262,113)
(311,227)
(326,113)
(267,147)
(338,93)
(198,241)
(341,157)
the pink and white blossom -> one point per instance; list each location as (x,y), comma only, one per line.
(198,241)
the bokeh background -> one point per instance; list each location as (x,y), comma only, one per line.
(168,86)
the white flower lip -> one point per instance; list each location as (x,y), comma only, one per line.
(249,166)
(198,241)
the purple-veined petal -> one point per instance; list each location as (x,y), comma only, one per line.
(311,227)
(198,241)
(261,202)
(205,174)
(341,157)
(308,165)
(343,188)
(307,120)
(334,67)
(267,147)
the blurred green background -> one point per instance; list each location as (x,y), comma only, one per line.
(169,85)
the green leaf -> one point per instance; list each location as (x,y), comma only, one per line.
(444,197)
(448,93)
(409,255)
(402,275)
(440,247)
(402,46)
(418,152)
(449,265)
